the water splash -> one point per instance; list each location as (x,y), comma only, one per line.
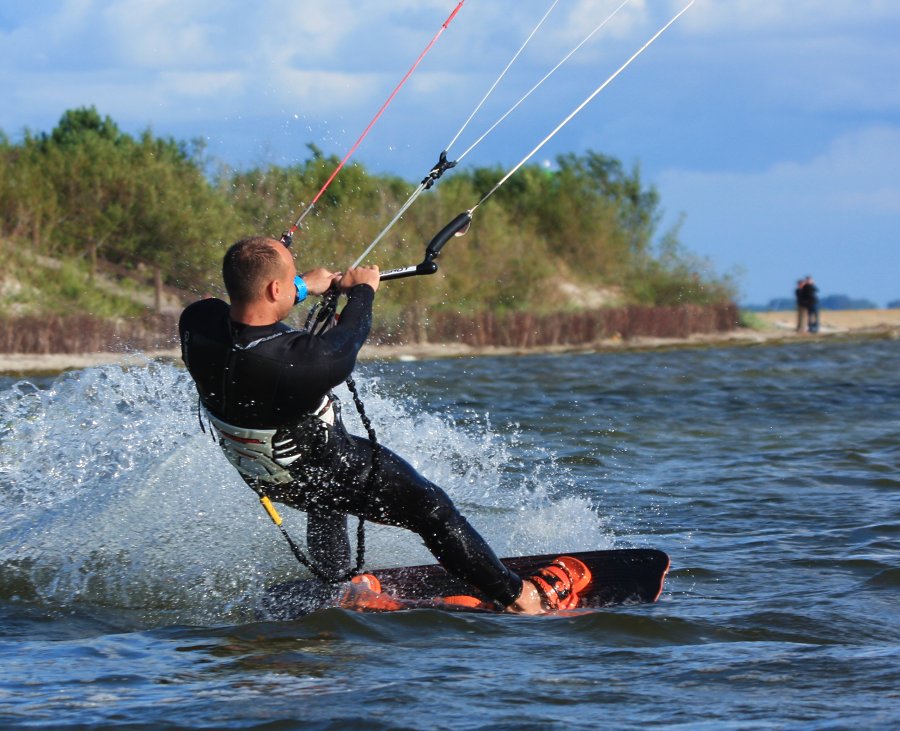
(111,496)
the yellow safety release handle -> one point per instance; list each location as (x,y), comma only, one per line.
(270,509)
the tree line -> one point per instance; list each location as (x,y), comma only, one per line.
(87,191)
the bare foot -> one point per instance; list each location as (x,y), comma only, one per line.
(528,602)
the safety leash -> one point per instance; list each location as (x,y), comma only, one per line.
(298,554)
(319,320)
(374,469)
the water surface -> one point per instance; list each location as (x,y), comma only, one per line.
(132,559)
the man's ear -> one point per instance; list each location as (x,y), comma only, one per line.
(273,290)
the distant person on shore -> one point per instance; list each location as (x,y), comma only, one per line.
(801,305)
(809,295)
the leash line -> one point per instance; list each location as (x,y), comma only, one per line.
(287,236)
(443,165)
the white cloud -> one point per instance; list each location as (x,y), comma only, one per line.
(624,19)
(72,17)
(803,16)
(857,174)
(200,85)
(163,34)
(311,32)
(326,92)
(153,100)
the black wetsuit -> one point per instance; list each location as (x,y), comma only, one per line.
(274,377)
(810,293)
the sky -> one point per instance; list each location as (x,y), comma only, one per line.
(771,128)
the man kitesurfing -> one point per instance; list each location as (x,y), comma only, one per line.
(266,390)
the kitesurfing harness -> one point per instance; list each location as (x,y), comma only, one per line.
(263,458)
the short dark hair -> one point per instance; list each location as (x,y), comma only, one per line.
(248,266)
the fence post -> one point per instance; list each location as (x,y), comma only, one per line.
(157,288)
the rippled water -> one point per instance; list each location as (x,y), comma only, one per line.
(131,559)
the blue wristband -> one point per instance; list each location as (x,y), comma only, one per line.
(301,289)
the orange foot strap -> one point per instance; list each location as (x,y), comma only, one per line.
(363,594)
(560,583)
(464,600)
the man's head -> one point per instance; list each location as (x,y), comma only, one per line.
(260,271)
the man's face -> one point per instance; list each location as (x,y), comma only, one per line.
(288,292)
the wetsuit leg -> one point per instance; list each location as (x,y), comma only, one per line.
(327,541)
(402,497)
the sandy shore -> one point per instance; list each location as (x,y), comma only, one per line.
(832,321)
(770,327)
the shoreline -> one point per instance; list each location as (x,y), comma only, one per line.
(774,328)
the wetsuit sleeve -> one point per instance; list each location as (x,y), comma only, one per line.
(308,366)
(203,331)
(342,343)
(355,320)
(268,376)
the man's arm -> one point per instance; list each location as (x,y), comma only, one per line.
(355,321)
(321,362)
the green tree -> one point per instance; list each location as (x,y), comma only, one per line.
(89,191)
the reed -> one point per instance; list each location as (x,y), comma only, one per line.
(528,330)
(79,333)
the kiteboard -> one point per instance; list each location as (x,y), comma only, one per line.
(623,576)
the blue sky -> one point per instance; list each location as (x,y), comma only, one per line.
(771,126)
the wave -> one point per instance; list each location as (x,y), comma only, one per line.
(112,497)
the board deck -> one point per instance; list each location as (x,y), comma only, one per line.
(632,575)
